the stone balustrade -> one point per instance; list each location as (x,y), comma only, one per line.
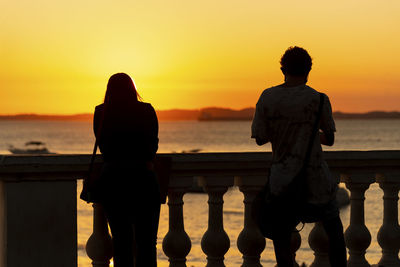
(47,185)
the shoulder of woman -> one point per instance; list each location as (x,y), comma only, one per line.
(147,106)
(99,107)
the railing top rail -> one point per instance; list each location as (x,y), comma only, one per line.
(71,167)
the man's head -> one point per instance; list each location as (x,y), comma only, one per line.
(296,62)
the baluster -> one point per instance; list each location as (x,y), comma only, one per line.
(295,244)
(318,241)
(389,233)
(357,235)
(215,242)
(176,244)
(250,241)
(99,244)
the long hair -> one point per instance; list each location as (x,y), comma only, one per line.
(121,91)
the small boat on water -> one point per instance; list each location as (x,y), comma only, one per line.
(31,147)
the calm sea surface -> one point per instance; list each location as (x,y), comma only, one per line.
(216,136)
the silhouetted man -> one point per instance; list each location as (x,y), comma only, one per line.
(284,116)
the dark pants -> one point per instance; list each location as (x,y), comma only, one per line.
(132,207)
(337,247)
(134,235)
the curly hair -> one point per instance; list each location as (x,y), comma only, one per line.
(296,61)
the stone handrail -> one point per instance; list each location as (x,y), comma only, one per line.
(46,185)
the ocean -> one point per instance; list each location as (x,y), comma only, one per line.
(72,137)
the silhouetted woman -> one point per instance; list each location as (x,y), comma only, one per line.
(127,133)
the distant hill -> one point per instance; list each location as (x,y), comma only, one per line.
(204,114)
(178,114)
(76,117)
(215,113)
(173,114)
(368,115)
(207,114)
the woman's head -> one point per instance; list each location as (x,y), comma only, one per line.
(121,90)
(296,62)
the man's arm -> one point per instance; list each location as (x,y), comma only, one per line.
(327,124)
(259,127)
(327,139)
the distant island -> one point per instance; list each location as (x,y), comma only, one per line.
(204,114)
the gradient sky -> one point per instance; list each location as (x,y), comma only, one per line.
(56,56)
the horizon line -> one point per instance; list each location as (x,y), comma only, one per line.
(175,109)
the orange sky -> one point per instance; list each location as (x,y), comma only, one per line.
(56,56)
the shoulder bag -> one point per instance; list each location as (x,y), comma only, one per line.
(277,216)
(91,189)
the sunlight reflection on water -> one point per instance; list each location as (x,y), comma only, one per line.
(214,136)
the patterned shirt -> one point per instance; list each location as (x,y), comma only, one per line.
(285,116)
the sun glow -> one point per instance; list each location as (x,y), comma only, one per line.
(58,56)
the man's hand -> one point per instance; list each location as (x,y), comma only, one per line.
(327,138)
(260,141)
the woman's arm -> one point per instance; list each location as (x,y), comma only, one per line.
(152,133)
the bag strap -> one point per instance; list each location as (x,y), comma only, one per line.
(96,144)
(314,130)
(93,157)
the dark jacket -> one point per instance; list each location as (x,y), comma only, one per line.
(127,133)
